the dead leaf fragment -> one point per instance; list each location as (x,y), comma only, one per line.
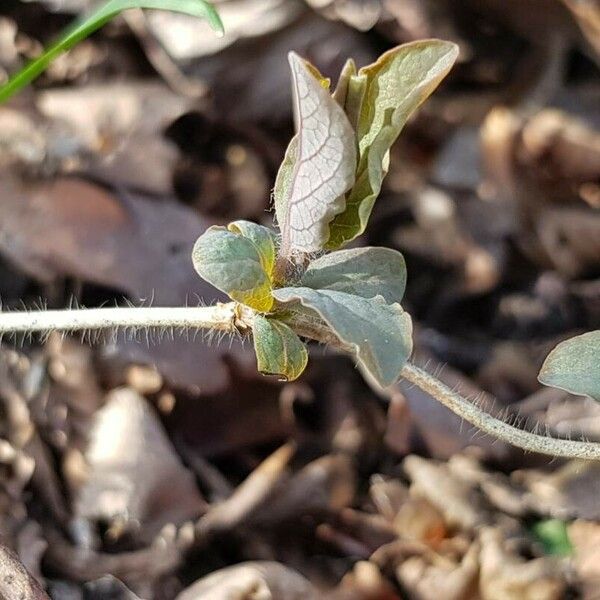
(572,491)
(585,538)
(251,581)
(134,472)
(430,576)
(460,503)
(15,581)
(506,576)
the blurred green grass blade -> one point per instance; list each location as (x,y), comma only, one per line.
(554,537)
(84,27)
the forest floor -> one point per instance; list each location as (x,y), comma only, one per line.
(168,468)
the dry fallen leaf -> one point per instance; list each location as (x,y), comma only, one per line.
(141,247)
(430,576)
(585,538)
(135,476)
(121,126)
(569,492)
(461,504)
(15,581)
(506,576)
(251,581)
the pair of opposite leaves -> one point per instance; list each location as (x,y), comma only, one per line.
(324,193)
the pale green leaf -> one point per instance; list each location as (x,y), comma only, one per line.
(263,238)
(283,180)
(341,89)
(396,85)
(85,26)
(574,366)
(324,164)
(379,334)
(279,351)
(350,91)
(554,536)
(233,264)
(366,272)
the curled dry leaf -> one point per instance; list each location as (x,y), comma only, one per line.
(134,472)
(268,580)
(250,496)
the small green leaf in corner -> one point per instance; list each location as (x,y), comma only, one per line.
(574,366)
(279,351)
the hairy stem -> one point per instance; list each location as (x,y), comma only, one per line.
(496,427)
(220,317)
(234,318)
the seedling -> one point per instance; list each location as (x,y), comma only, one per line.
(299,283)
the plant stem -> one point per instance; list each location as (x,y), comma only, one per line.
(220,317)
(496,427)
(235,318)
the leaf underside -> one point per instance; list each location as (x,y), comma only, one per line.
(574,366)
(319,167)
(380,334)
(366,272)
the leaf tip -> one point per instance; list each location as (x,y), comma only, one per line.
(215,21)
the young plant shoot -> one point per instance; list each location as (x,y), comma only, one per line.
(299,283)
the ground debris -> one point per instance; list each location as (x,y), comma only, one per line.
(161,466)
